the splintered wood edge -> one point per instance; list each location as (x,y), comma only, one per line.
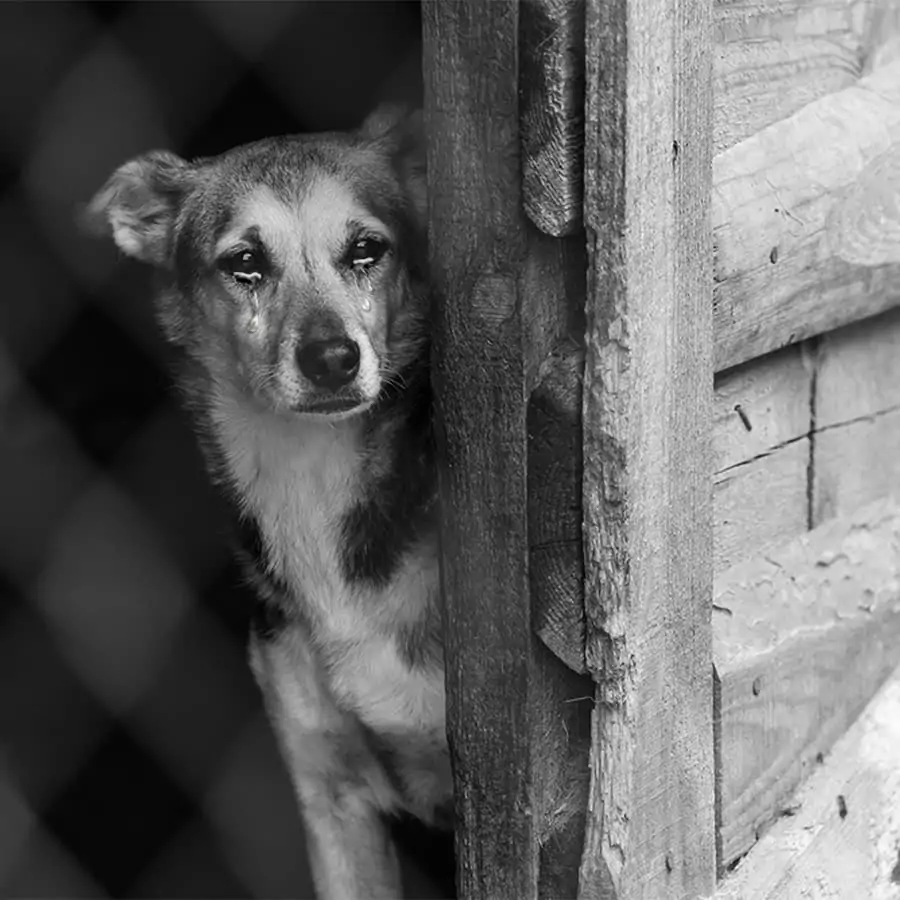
(646,486)
(842,837)
(810,632)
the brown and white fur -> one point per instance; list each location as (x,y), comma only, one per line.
(292,277)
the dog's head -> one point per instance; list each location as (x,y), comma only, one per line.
(293,267)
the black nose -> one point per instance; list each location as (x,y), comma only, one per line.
(329,363)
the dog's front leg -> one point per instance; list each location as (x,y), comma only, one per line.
(338,781)
(350,850)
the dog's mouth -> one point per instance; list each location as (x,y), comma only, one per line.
(338,407)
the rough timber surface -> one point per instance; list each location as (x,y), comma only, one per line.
(478,245)
(761,420)
(518,737)
(561,709)
(798,251)
(647,404)
(802,639)
(552,79)
(772,57)
(857,445)
(842,840)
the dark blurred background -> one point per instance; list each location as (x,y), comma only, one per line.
(134,757)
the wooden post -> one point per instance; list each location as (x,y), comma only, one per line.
(647,460)
(478,248)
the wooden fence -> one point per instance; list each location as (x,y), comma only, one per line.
(670,424)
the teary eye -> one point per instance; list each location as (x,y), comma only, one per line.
(366,252)
(246,266)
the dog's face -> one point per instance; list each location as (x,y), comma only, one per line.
(292,266)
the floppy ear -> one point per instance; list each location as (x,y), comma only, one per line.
(402,132)
(139,204)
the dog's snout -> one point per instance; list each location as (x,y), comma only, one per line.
(330,363)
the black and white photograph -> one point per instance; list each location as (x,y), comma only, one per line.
(450,449)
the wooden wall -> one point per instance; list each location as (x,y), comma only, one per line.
(666,243)
(806,624)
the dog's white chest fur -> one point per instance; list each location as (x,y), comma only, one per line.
(297,480)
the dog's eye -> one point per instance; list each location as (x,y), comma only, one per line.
(366,252)
(245,266)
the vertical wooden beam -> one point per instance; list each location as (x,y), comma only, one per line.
(647,460)
(478,246)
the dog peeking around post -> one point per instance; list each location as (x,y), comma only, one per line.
(293,280)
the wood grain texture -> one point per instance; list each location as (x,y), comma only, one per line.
(552,82)
(478,246)
(777,200)
(553,281)
(858,371)
(856,464)
(773,57)
(760,407)
(556,562)
(843,838)
(761,504)
(647,404)
(761,420)
(857,444)
(802,639)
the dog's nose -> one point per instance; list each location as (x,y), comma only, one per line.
(329,363)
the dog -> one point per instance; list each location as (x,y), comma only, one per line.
(293,278)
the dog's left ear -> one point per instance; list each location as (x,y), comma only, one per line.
(402,133)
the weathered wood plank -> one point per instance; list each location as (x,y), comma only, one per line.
(856,464)
(553,281)
(552,113)
(843,836)
(856,452)
(761,406)
(647,403)
(556,562)
(858,371)
(802,639)
(761,418)
(761,504)
(478,246)
(772,57)
(785,266)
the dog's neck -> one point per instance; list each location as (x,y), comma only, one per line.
(338,503)
(272,462)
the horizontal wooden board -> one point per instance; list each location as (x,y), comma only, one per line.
(858,370)
(802,639)
(841,838)
(761,417)
(785,205)
(772,57)
(760,504)
(856,464)
(760,407)
(857,444)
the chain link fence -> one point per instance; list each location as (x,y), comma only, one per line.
(134,757)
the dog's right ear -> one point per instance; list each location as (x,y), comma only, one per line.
(401,132)
(139,204)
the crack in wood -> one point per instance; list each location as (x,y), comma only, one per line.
(889,410)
